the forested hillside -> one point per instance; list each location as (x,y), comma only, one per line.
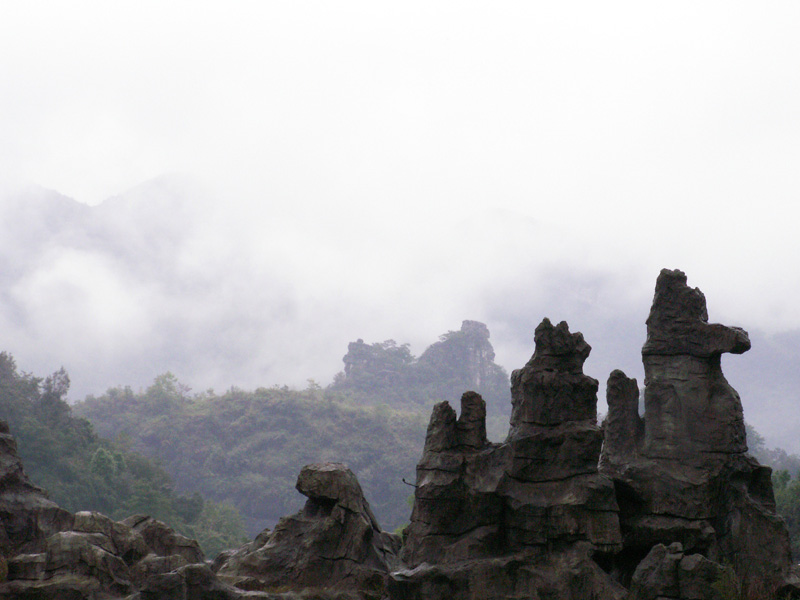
(247,447)
(83,471)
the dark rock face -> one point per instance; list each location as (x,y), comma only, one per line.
(681,472)
(689,405)
(525,518)
(49,553)
(27,516)
(676,510)
(334,542)
(669,573)
(624,428)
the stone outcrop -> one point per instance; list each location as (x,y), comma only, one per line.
(526,518)
(27,516)
(334,546)
(677,509)
(667,572)
(48,552)
(334,542)
(470,355)
(682,473)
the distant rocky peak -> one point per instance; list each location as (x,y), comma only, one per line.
(462,359)
(475,329)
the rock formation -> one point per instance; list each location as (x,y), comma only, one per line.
(27,516)
(682,473)
(334,545)
(334,542)
(526,518)
(51,553)
(460,360)
(677,510)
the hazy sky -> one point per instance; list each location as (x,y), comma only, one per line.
(415,152)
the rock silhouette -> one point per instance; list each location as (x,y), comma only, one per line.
(526,517)
(676,509)
(682,473)
(334,542)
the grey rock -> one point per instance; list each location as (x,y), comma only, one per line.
(163,540)
(27,516)
(623,428)
(689,406)
(667,572)
(551,389)
(50,553)
(522,518)
(334,542)
(682,473)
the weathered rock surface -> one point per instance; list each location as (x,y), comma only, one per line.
(27,516)
(50,553)
(334,542)
(681,473)
(526,518)
(666,572)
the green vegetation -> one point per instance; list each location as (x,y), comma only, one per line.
(787,502)
(247,448)
(82,471)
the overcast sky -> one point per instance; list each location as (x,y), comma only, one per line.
(398,151)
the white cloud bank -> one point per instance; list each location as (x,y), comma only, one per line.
(383,171)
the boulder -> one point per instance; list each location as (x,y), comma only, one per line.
(335,542)
(48,553)
(163,540)
(667,572)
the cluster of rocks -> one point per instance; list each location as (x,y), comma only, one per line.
(662,506)
(334,546)
(667,505)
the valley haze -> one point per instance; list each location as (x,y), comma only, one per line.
(235,193)
(156,280)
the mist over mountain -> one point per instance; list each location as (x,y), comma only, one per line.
(170,277)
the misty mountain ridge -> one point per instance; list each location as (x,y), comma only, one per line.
(166,278)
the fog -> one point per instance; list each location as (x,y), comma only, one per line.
(235,193)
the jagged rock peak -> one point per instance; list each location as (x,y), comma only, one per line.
(559,350)
(445,432)
(689,406)
(678,322)
(624,428)
(551,388)
(475,328)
